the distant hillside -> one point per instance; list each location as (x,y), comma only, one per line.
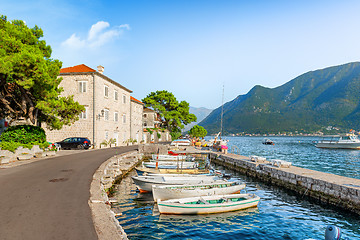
(200,114)
(310,102)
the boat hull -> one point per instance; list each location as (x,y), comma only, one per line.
(339,145)
(170,165)
(182,206)
(181,191)
(172,171)
(145,183)
(168,157)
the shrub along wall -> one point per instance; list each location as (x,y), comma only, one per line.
(23,135)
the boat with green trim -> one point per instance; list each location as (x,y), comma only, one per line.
(208,204)
(165,192)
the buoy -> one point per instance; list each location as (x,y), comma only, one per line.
(332,233)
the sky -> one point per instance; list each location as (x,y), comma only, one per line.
(194,48)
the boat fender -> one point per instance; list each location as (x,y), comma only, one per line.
(332,233)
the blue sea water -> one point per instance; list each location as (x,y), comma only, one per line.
(301,151)
(280,214)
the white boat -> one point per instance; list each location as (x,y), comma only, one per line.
(267,141)
(170,165)
(346,141)
(144,183)
(181,142)
(165,192)
(208,204)
(142,170)
(162,157)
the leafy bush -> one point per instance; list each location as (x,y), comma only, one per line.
(12,146)
(24,134)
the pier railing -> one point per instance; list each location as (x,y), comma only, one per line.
(234,149)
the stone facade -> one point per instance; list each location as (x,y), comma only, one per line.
(107,104)
(136,112)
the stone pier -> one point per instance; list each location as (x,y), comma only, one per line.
(326,188)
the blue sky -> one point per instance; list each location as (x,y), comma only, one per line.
(194,47)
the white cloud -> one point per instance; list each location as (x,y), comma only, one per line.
(99,34)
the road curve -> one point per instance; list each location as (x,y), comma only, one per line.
(48,199)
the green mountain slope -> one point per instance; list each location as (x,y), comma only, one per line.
(310,102)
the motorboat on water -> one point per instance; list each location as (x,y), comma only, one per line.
(267,141)
(344,141)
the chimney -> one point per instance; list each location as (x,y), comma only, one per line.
(100,69)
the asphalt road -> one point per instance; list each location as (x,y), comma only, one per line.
(48,199)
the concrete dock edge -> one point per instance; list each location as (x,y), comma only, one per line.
(106,225)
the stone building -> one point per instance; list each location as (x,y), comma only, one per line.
(153,131)
(136,115)
(107,107)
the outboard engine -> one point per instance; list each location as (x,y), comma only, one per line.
(332,233)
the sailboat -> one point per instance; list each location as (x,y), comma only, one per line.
(217,142)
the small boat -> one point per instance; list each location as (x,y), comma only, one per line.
(208,204)
(171,165)
(165,192)
(144,183)
(345,141)
(142,170)
(162,157)
(181,142)
(267,141)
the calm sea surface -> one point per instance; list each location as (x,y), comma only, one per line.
(280,214)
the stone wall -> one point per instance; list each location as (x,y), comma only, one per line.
(136,121)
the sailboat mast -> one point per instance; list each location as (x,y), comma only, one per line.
(222,113)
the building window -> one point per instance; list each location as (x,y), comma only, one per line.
(145,115)
(116,95)
(83,115)
(124,99)
(82,86)
(106,114)
(116,116)
(124,118)
(106,135)
(106,91)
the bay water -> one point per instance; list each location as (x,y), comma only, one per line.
(280,215)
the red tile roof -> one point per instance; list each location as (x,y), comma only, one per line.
(134,99)
(77,68)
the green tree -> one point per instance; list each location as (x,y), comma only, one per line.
(174,115)
(198,131)
(29,83)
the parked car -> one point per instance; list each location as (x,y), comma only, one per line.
(74,142)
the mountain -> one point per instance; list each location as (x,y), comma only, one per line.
(200,114)
(308,103)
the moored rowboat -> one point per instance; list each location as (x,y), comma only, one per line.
(170,165)
(208,204)
(164,192)
(144,183)
(142,170)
